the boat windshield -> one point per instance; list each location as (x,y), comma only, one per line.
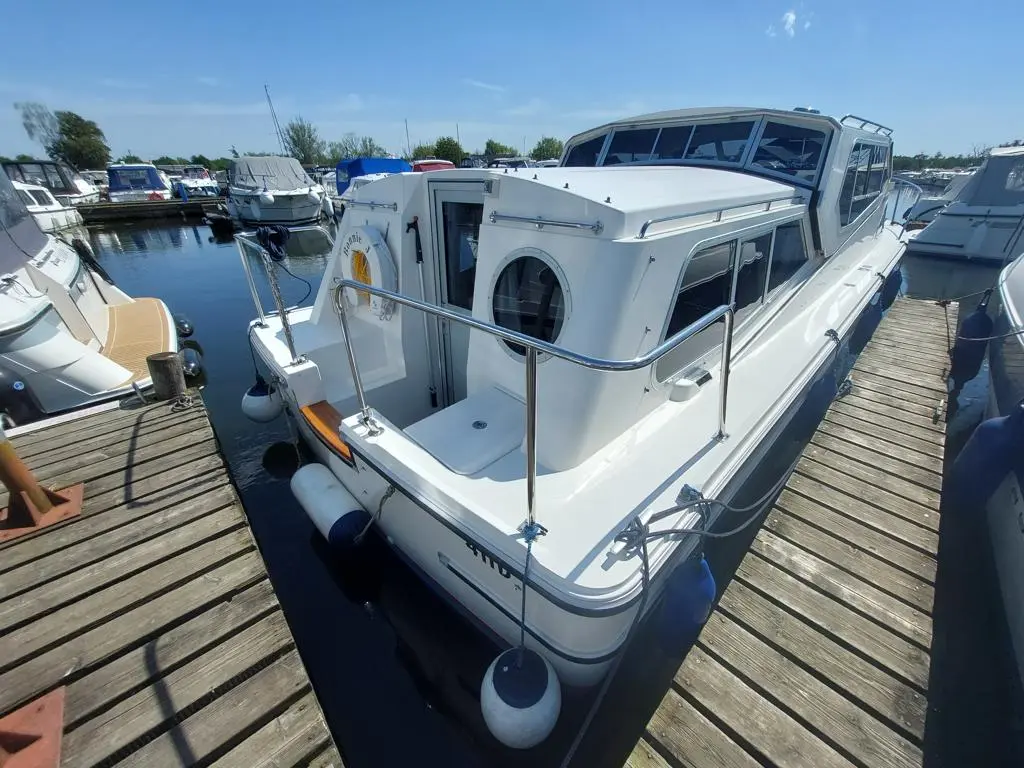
(195,173)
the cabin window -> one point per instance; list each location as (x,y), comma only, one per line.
(34,174)
(585,155)
(867,172)
(53,177)
(41,198)
(25,197)
(461,236)
(720,142)
(790,149)
(631,146)
(1015,178)
(528,298)
(672,142)
(706,285)
(788,255)
(751,274)
(14,172)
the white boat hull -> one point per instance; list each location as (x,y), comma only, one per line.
(58,220)
(288,208)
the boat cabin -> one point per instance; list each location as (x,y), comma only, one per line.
(136,181)
(68,186)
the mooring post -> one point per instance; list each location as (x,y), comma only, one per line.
(165,368)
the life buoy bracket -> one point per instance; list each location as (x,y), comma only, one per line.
(365,257)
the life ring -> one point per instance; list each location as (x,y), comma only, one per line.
(365,257)
(155,196)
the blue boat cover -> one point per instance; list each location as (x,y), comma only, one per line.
(351,167)
(125,178)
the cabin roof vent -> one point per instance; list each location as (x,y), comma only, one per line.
(810,110)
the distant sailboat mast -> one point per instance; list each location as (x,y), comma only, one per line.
(277,125)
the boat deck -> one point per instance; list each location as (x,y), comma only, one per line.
(818,651)
(152,610)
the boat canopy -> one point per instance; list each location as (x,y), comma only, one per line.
(22,238)
(270,172)
(351,167)
(999,182)
(56,177)
(125,178)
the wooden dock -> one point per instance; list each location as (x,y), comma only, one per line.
(818,651)
(153,609)
(196,208)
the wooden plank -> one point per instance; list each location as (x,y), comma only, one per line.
(52,554)
(897,462)
(918,371)
(821,486)
(329,758)
(895,432)
(858,735)
(646,756)
(109,732)
(896,412)
(847,589)
(88,551)
(935,355)
(776,736)
(92,454)
(892,375)
(892,389)
(882,444)
(80,654)
(93,610)
(92,430)
(221,723)
(931,343)
(289,739)
(691,739)
(850,554)
(899,656)
(866,683)
(879,479)
(164,653)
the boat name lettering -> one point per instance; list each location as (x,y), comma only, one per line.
(488,559)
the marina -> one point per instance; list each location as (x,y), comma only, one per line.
(149,620)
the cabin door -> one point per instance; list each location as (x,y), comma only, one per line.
(458,209)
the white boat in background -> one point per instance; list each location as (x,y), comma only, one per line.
(98,179)
(274,190)
(133,182)
(924,211)
(50,215)
(642,335)
(196,181)
(985,221)
(68,337)
(64,183)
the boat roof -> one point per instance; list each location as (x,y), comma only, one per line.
(1006,151)
(271,171)
(692,113)
(24,238)
(130,165)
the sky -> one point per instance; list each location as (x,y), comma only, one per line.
(187,78)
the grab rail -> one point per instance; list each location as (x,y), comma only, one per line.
(719,210)
(249,238)
(540,222)
(371,204)
(898,182)
(533,346)
(879,128)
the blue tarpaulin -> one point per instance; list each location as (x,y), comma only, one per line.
(363,166)
(124,178)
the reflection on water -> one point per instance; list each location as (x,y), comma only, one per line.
(382,650)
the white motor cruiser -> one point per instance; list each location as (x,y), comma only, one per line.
(50,215)
(68,337)
(985,220)
(274,190)
(508,368)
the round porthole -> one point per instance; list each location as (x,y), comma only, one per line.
(528,298)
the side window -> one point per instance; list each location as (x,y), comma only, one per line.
(461,235)
(585,155)
(672,143)
(706,285)
(631,146)
(788,255)
(790,149)
(751,272)
(722,142)
(867,172)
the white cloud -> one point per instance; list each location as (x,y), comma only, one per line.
(126,85)
(789,23)
(484,86)
(213,82)
(532,107)
(807,25)
(770,31)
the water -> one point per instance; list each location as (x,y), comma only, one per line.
(396,670)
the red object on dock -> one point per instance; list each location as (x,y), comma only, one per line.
(30,737)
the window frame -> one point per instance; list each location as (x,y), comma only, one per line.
(852,221)
(826,145)
(770,305)
(563,282)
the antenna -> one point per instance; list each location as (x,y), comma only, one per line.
(458,139)
(408,144)
(277,125)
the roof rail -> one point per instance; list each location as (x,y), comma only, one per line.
(866,124)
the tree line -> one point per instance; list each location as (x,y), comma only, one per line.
(920,161)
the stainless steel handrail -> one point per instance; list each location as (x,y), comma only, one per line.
(534,346)
(371,204)
(249,238)
(865,122)
(896,205)
(540,222)
(718,210)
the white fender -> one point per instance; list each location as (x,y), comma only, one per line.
(368,243)
(333,510)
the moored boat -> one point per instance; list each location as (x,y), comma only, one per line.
(541,386)
(133,182)
(50,215)
(274,190)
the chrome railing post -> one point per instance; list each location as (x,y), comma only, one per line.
(275,290)
(723,392)
(365,418)
(241,243)
(531,435)
(896,205)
